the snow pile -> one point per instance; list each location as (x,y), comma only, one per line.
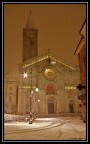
(13,118)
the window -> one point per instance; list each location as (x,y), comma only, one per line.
(51,89)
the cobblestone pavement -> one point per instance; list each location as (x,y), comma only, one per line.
(60,128)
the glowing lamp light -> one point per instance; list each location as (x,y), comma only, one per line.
(53,62)
(31,92)
(25,75)
(38,100)
(37,89)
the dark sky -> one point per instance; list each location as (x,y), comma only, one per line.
(58,30)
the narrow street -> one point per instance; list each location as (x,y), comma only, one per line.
(60,128)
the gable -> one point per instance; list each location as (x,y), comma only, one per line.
(44,57)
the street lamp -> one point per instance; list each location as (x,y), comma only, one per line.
(30,114)
(31,118)
(37,89)
(25,75)
(31,92)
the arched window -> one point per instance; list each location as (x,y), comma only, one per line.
(51,89)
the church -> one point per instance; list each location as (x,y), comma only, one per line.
(45,84)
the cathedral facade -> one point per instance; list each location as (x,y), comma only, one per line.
(55,78)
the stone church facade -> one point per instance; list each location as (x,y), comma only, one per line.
(55,78)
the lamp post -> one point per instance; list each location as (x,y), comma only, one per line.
(30,113)
(31,92)
(82,98)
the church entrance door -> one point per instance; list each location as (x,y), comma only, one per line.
(71,108)
(50,108)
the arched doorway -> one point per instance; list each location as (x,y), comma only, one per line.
(72,106)
(51,106)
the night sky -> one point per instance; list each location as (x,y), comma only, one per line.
(58,30)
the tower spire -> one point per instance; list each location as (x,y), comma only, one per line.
(29,21)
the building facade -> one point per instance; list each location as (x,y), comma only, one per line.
(55,78)
(81,52)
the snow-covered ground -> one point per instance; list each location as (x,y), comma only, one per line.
(58,128)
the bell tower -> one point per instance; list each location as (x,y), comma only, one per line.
(30,41)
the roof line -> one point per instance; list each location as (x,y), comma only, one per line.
(78,44)
(82,27)
(45,56)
